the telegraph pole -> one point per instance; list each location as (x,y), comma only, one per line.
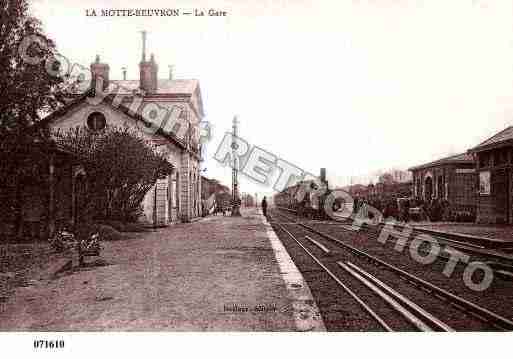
(235,172)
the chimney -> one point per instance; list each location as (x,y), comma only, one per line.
(171,68)
(100,70)
(323,175)
(124,72)
(148,70)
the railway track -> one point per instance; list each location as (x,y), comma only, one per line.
(500,261)
(360,276)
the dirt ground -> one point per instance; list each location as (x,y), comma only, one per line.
(216,274)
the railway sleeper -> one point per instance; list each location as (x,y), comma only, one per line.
(427,287)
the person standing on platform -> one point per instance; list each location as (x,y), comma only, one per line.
(264,206)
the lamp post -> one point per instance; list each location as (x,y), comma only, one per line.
(235,172)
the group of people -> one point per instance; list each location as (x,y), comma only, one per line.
(399,208)
(220,208)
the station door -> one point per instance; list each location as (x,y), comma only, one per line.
(500,192)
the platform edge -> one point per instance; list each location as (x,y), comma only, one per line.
(306,314)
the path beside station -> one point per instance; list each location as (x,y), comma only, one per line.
(216,274)
(491,235)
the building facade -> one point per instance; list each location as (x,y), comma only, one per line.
(210,186)
(166,112)
(212,194)
(452,179)
(494,163)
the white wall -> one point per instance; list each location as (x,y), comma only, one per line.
(77,117)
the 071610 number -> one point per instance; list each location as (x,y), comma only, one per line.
(48,344)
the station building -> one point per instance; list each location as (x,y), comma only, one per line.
(494,163)
(174,198)
(452,179)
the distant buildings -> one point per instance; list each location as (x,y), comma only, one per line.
(210,186)
(213,193)
(476,185)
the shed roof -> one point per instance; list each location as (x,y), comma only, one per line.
(455,159)
(109,100)
(501,138)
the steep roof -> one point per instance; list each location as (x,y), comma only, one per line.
(120,107)
(164,87)
(498,139)
(455,159)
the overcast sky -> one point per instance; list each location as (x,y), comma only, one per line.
(354,86)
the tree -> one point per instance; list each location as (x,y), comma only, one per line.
(120,166)
(386,178)
(248,200)
(401,176)
(394,176)
(27,90)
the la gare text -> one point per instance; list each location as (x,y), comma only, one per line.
(154,12)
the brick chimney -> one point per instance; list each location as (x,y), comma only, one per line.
(99,69)
(148,71)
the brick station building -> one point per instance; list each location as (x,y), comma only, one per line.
(452,179)
(494,162)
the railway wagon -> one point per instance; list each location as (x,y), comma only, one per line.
(309,204)
(288,198)
(389,198)
(385,192)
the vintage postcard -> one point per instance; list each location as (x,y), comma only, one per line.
(255,166)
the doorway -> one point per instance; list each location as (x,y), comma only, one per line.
(500,195)
(428,189)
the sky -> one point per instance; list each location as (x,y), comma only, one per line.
(353,86)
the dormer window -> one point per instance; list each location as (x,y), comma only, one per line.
(96,121)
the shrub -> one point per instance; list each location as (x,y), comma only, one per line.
(107,233)
(121,167)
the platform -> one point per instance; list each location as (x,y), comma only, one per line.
(216,274)
(489,236)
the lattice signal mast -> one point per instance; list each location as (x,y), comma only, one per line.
(235,171)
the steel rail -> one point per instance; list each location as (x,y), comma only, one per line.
(320,245)
(476,310)
(470,248)
(413,306)
(378,290)
(397,301)
(369,310)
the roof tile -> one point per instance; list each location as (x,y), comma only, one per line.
(502,136)
(459,158)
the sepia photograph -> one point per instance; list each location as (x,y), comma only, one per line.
(190,174)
